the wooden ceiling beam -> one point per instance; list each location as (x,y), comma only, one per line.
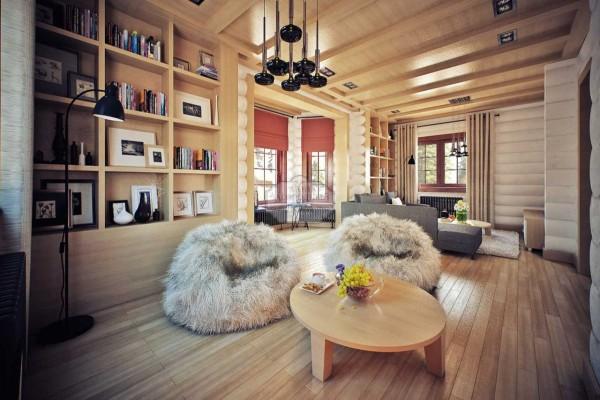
(481,107)
(460,93)
(393,97)
(516,21)
(411,23)
(516,93)
(555,36)
(227,13)
(579,30)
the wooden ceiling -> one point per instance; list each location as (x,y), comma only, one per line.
(409,57)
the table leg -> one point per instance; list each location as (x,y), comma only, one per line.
(322,356)
(435,357)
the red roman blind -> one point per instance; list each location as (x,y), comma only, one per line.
(317,135)
(270,130)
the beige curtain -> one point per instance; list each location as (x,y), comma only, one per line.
(407,146)
(480,166)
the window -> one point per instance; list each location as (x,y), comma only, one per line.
(438,171)
(268,170)
(319,176)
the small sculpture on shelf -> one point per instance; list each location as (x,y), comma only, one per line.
(156,215)
(122,216)
(89,160)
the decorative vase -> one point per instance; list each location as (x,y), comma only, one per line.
(73,154)
(156,215)
(461,216)
(143,212)
(82,156)
(59,145)
(363,293)
(122,217)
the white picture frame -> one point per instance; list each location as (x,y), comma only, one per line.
(135,196)
(203,203)
(126,147)
(156,156)
(182,204)
(82,207)
(193,108)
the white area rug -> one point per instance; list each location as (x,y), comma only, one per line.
(500,244)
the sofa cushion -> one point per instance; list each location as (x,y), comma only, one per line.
(372,199)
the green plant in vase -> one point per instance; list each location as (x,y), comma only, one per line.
(461,209)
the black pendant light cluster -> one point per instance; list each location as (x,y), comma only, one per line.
(299,73)
(457,149)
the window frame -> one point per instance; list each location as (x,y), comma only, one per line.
(280,173)
(440,141)
(307,161)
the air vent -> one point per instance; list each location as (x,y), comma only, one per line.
(460,100)
(503,6)
(326,72)
(507,37)
(350,85)
(395,111)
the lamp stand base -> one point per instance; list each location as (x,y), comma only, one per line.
(63,330)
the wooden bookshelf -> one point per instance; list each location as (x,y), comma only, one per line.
(382,156)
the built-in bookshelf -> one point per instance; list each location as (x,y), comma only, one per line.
(382,157)
(106,63)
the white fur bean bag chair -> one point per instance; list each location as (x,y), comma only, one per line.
(388,245)
(228,277)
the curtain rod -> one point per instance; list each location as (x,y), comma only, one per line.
(273,111)
(440,123)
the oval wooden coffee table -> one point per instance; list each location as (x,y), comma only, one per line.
(401,317)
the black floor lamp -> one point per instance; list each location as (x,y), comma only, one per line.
(110,108)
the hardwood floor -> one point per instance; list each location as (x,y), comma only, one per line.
(516,329)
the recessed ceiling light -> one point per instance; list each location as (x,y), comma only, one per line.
(395,111)
(350,85)
(507,37)
(503,6)
(460,100)
(327,72)
(197,2)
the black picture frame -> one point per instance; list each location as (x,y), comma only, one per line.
(74,82)
(111,214)
(49,210)
(52,66)
(77,200)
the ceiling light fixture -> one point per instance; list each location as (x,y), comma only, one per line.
(507,37)
(328,72)
(503,6)
(303,68)
(277,66)
(264,77)
(350,85)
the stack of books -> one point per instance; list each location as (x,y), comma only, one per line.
(209,71)
(82,21)
(145,101)
(133,42)
(201,159)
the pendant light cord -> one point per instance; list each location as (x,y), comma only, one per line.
(264,55)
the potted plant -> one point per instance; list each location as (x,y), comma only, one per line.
(461,208)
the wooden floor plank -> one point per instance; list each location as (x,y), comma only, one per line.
(514,329)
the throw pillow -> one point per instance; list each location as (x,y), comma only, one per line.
(397,201)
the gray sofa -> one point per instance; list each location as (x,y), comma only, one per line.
(458,238)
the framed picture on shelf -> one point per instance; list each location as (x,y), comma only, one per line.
(80,83)
(207,59)
(44,13)
(155,156)
(150,191)
(203,203)
(192,107)
(179,63)
(115,208)
(83,199)
(182,204)
(52,66)
(49,209)
(126,147)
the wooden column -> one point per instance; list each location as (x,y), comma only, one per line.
(340,163)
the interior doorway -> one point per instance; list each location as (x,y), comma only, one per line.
(585,189)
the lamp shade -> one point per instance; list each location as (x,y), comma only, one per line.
(411,160)
(109,107)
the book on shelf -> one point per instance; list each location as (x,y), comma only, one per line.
(208,71)
(146,100)
(145,46)
(195,159)
(82,21)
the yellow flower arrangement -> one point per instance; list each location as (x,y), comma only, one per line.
(356,276)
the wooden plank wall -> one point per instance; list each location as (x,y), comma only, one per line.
(519,159)
(561,136)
